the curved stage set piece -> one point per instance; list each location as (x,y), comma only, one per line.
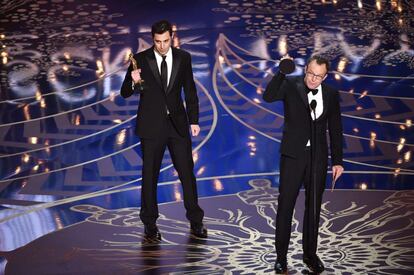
(71,163)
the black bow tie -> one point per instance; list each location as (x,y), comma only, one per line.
(313,91)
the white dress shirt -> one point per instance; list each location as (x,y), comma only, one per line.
(319,105)
(168,59)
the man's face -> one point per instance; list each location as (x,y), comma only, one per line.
(315,74)
(162,42)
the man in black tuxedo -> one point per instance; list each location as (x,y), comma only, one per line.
(304,159)
(162,121)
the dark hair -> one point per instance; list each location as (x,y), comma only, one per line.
(320,60)
(160,27)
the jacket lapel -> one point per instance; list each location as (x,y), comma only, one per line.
(175,65)
(302,92)
(325,100)
(153,65)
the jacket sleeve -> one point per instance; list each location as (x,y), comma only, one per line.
(335,130)
(190,92)
(274,90)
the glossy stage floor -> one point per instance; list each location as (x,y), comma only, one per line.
(71,164)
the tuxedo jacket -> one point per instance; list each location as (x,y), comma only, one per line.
(154,101)
(297,125)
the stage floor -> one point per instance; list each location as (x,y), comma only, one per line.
(362,232)
(71,164)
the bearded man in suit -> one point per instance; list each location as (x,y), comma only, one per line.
(163,121)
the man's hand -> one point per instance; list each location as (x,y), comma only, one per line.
(136,76)
(195,129)
(337,171)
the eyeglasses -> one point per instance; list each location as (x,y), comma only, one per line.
(318,77)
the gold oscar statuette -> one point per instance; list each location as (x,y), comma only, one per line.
(135,67)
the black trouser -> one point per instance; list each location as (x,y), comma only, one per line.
(294,172)
(181,154)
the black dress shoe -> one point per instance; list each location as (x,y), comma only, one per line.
(280,267)
(151,232)
(314,264)
(199,230)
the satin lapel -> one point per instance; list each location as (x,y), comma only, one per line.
(325,100)
(154,67)
(303,92)
(176,64)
